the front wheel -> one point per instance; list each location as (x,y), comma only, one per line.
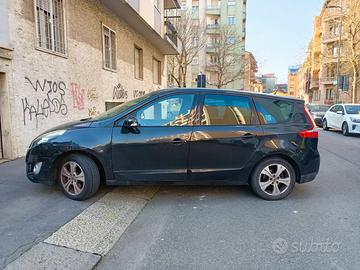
(79,177)
(273,179)
(345,129)
(324,125)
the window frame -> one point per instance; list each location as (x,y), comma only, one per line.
(231,20)
(141,63)
(194,107)
(159,71)
(253,117)
(288,121)
(37,46)
(103,48)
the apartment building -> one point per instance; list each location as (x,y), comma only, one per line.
(215,13)
(319,71)
(268,81)
(293,81)
(63,60)
(250,70)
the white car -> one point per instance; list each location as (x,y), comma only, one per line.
(344,117)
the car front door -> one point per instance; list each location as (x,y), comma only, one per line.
(338,116)
(152,143)
(226,138)
(331,116)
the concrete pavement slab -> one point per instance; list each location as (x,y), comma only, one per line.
(98,228)
(46,256)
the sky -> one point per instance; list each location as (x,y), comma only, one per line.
(279,31)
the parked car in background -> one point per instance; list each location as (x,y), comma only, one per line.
(344,117)
(187,136)
(317,112)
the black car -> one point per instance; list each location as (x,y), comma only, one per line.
(183,136)
(318,112)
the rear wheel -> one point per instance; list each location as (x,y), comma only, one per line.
(324,125)
(79,177)
(273,179)
(345,129)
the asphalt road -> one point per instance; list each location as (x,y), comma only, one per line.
(29,212)
(316,227)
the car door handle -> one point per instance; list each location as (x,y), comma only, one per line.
(248,136)
(178,141)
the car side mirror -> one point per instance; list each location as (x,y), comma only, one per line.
(131,124)
(340,112)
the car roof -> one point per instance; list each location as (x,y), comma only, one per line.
(224,91)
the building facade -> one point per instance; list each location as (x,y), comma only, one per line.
(250,70)
(63,60)
(319,81)
(214,13)
(268,81)
(293,81)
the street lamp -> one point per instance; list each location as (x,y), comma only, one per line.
(339,46)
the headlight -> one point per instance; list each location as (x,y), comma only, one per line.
(46,137)
(355,120)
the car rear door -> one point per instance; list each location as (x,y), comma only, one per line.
(157,148)
(226,137)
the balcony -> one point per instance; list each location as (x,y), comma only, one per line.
(213,10)
(330,37)
(171,32)
(128,11)
(213,28)
(210,48)
(328,80)
(314,84)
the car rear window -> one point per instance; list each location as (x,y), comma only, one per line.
(274,111)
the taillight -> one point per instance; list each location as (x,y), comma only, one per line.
(311,133)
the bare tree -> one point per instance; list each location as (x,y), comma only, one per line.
(191,39)
(228,58)
(351,43)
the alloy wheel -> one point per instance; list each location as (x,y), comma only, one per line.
(274,179)
(72,178)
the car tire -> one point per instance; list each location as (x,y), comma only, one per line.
(345,129)
(277,189)
(79,177)
(324,125)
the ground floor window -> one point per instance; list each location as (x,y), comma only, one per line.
(156,71)
(329,94)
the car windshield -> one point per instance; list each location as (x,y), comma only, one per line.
(318,108)
(352,109)
(121,108)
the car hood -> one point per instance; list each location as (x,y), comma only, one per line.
(83,123)
(356,116)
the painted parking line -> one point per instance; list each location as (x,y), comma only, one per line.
(89,235)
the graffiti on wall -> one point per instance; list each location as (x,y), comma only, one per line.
(51,101)
(138,93)
(92,95)
(78,95)
(119,92)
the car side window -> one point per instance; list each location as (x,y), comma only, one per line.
(334,108)
(342,109)
(274,111)
(176,110)
(226,110)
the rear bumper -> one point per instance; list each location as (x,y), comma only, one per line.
(318,121)
(310,175)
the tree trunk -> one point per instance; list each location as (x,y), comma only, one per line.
(355,85)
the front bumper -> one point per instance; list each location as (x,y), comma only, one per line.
(45,175)
(354,128)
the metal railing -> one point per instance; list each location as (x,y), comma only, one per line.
(171,32)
